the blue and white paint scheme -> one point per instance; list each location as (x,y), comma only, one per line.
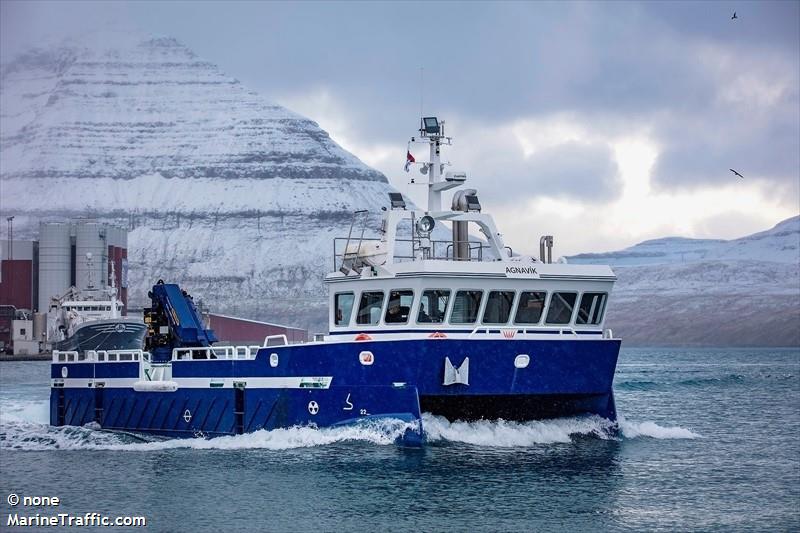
(481,332)
(424,316)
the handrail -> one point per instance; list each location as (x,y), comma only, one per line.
(363,212)
(213,353)
(281,337)
(100,356)
(475,250)
(65,356)
(117,355)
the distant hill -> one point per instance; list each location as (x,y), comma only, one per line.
(679,291)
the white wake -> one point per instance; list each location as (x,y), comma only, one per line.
(24,426)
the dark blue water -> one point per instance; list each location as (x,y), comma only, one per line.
(711,441)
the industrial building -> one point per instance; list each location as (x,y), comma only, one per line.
(241,331)
(77,253)
(66,254)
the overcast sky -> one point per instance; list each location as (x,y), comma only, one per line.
(602,123)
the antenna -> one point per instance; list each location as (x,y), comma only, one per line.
(421,87)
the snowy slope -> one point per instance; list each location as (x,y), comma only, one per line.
(743,291)
(223,191)
(150,105)
(780,244)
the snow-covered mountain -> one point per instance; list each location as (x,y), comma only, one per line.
(743,291)
(780,244)
(223,191)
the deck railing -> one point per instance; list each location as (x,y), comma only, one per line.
(406,250)
(100,356)
(215,353)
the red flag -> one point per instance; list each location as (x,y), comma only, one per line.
(409,159)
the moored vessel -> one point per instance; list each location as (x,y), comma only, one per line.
(91,319)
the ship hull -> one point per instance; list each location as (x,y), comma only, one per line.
(218,412)
(110,334)
(345,382)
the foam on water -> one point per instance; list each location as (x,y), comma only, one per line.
(32,436)
(503,433)
(14,410)
(632,430)
(24,426)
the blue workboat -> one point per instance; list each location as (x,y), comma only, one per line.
(424,317)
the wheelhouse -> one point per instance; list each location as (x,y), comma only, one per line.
(428,271)
(463,303)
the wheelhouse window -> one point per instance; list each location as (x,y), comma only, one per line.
(530,307)
(433,306)
(498,307)
(591,309)
(399,307)
(343,303)
(465,307)
(369,308)
(561,306)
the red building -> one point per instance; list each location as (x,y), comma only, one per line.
(16,283)
(242,331)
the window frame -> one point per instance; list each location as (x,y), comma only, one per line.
(350,319)
(453,306)
(604,306)
(545,304)
(572,313)
(446,315)
(510,311)
(382,309)
(410,308)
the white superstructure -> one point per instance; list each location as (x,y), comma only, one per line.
(410,279)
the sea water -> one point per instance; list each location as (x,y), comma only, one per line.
(710,440)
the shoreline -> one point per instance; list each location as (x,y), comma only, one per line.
(26,357)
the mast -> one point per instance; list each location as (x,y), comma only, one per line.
(431,130)
(434,196)
(113,291)
(466,207)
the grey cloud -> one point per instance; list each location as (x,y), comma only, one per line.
(586,171)
(762,144)
(573,170)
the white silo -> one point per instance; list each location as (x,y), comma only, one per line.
(54,262)
(90,239)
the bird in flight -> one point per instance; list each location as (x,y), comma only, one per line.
(734,16)
(736,173)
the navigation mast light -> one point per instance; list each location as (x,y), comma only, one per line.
(397,200)
(430,125)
